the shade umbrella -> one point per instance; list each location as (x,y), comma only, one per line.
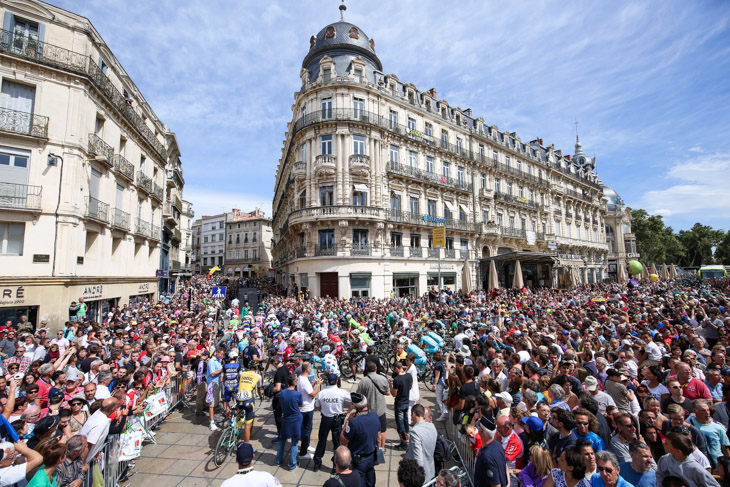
(493,280)
(517,281)
(673,272)
(644,273)
(466,278)
(653,269)
(622,277)
(665,272)
(577,280)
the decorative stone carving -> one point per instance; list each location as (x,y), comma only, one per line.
(344,223)
(312,40)
(372,44)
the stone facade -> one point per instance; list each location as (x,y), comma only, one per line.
(248,244)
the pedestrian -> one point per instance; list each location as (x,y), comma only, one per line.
(246,475)
(308,392)
(400,389)
(410,473)
(344,476)
(422,442)
(490,466)
(330,403)
(375,387)
(291,424)
(213,378)
(639,472)
(360,435)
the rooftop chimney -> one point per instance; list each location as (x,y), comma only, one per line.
(432,92)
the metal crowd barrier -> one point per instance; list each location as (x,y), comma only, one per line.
(462,447)
(456,469)
(111,467)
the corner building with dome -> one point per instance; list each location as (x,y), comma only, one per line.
(372,164)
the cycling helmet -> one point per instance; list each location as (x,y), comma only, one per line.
(356,332)
(233,354)
(325,349)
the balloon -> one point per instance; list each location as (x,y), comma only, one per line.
(634,267)
(654,277)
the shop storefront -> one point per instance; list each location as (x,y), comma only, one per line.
(447,279)
(405,284)
(13,306)
(360,285)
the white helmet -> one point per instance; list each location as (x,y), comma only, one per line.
(233,354)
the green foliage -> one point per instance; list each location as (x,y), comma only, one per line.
(698,243)
(722,253)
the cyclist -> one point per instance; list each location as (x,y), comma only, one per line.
(431,345)
(231,370)
(415,350)
(250,380)
(359,352)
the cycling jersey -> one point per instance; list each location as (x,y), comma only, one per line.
(431,345)
(436,337)
(230,380)
(330,365)
(248,382)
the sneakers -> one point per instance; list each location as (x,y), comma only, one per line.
(352,381)
(441,418)
(293,467)
(213,427)
(306,456)
(311,449)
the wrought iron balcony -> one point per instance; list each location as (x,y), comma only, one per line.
(124,167)
(177,203)
(301,252)
(360,249)
(142,228)
(396,250)
(558,212)
(434,253)
(568,214)
(175,266)
(327,250)
(17,44)
(415,252)
(429,221)
(156,192)
(177,236)
(168,214)
(20,196)
(103,151)
(449,253)
(144,182)
(97,210)
(155,232)
(359,162)
(23,123)
(509,198)
(121,219)
(512,232)
(428,177)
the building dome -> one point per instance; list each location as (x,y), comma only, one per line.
(343,42)
(611,196)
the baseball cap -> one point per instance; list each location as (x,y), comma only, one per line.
(591,383)
(44,425)
(332,379)
(506,397)
(358,400)
(244,453)
(534,423)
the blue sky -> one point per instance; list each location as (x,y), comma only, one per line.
(648,81)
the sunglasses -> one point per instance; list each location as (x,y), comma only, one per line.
(583,422)
(605,469)
(629,426)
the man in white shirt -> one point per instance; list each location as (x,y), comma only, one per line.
(330,402)
(96,428)
(246,476)
(11,474)
(62,342)
(307,408)
(603,399)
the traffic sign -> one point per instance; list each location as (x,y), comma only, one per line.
(439,237)
(218,292)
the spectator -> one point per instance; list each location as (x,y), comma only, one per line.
(343,468)
(96,429)
(72,471)
(53,453)
(308,393)
(627,433)
(639,471)
(490,467)
(586,426)
(570,472)
(246,475)
(410,473)
(291,426)
(679,463)
(714,434)
(400,389)
(375,387)
(564,423)
(422,442)
(608,471)
(11,474)
(537,471)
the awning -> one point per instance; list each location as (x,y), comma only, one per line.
(450,206)
(361,188)
(464,208)
(523,257)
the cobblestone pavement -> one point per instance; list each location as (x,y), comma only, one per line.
(183,454)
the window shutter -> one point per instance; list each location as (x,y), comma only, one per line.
(41,32)
(8,24)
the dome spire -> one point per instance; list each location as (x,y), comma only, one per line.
(343,7)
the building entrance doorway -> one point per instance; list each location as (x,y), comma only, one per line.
(328,284)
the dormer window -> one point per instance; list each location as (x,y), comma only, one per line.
(354,34)
(329,33)
(326,75)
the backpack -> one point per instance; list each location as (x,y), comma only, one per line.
(441,452)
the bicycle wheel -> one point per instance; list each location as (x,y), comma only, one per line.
(427,379)
(224,446)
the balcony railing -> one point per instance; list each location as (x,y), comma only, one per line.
(415,252)
(429,221)
(20,196)
(17,44)
(177,235)
(396,250)
(319,212)
(144,182)
(449,253)
(360,161)
(301,252)
(103,151)
(97,210)
(175,266)
(327,250)
(512,232)
(428,177)
(300,168)
(434,253)
(155,232)
(324,161)
(121,219)
(23,123)
(509,198)
(142,228)
(177,203)
(156,192)
(124,167)
(360,249)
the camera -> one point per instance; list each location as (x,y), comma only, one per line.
(18,376)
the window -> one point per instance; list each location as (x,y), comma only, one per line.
(532,196)
(429,130)
(497,185)
(238,254)
(205,261)
(481,152)
(358,106)
(327,239)
(326,195)
(245,238)
(326,143)
(464,245)
(412,159)
(358,144)
(415,207)
(506,161)
(238,238)
(359,198)
(462,215)
(415,240)
(254,237)
(499,219)
(511,221)
(460,174)
(360,285)
(534,225)
(447,212)
(519,166)
(444,138)
(445,170)
(395,201)
(303,199)
(245,254)
(577,231)
(327,107)
(523,224)
(449,243)
(326,75)
(394,154)
(14,170)
(483,181)
(230,254)
(458,145)
(411,123)
(396,239)
(359,237)
(205,239)
(303,152)
(358,75)
(431,207)
(429,164)
(509,189)
(521,191)
(393,119)
(495,157)
(12,235)
(253,253)
(485,216)
(230,240)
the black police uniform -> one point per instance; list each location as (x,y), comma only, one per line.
(362,434)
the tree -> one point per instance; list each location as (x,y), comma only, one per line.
(656,242)
(698,243)
(722,253)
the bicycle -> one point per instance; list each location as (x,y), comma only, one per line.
(228,439)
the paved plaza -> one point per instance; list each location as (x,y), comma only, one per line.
(183,454)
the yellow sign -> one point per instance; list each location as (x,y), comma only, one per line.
(439,237)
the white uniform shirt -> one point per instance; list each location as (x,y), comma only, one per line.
(305,388)
(332,400)
(253,478)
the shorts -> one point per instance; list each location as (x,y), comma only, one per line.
(247,407)
(229,394)
(383,422)
(216,396)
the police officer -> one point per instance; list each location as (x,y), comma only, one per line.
(360,435)
(329,402)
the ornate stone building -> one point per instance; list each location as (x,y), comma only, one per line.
(248,243)
(620,239)
(371,165)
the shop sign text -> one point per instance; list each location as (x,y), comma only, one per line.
(12,295)
(92,292)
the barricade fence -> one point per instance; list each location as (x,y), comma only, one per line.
(462,446)
(111,468)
